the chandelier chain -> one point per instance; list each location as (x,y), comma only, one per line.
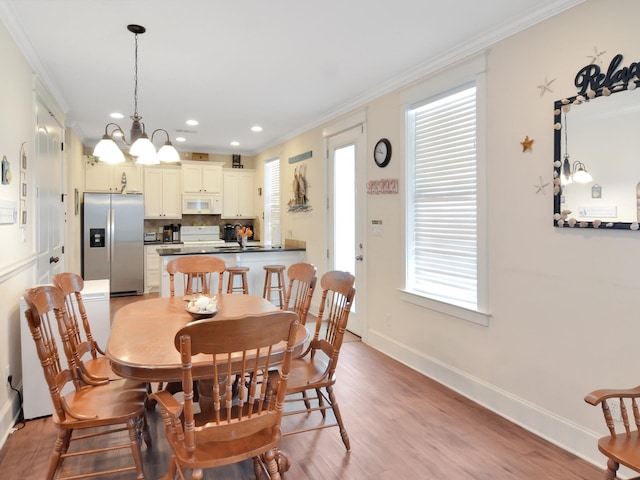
(135,75)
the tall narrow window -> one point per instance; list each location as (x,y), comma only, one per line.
(272,231)
(442,219)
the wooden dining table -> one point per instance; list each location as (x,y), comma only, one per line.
(141,343)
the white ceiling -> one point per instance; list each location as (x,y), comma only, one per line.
(286,65)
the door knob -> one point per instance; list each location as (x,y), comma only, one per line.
(54,259)
(359,257)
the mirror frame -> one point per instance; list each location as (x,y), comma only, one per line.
(616,80)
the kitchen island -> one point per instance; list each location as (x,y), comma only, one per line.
(253,256)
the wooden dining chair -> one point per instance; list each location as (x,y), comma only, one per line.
(94,366)
(315,369)
(243,420)
(106,409)
(302,284)
(197,272)
(622,445)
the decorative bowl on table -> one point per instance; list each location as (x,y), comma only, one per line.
(202,307)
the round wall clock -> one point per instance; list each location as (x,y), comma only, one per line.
(382,152)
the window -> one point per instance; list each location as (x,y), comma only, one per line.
(272,232)
(442,205)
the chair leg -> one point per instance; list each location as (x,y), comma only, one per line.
(132,426)
(269,458)
(60,447)
(612,469)
(336,412)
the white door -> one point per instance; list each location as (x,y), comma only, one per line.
(347,216)
(49,189)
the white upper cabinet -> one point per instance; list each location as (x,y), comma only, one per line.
(105,177)
(238,196)
(201,177)
(162,195)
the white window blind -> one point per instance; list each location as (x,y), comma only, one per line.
(443,219)
(272,196)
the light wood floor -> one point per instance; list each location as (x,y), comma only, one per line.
(401,425)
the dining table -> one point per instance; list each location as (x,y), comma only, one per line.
(141,343)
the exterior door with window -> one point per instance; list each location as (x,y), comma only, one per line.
(347,216)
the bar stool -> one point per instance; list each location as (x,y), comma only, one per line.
(269,287)
(242,273)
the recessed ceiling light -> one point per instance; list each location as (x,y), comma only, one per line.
(192,122)
(181,139)
(116,115)
(256,128)
(235,144)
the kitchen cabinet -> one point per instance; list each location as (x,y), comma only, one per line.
(162,195)
(201,177)
(152,267)
(238,193)
(106,177)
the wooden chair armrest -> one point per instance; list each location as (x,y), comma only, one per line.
(597,396)
(167,403)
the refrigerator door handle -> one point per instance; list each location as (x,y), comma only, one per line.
(112,234)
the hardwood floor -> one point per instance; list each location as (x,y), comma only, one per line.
(401,425)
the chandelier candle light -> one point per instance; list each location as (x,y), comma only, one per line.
(141,147)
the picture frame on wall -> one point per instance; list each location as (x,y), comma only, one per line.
(23,213)
(23,185)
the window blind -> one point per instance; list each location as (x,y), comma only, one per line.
(445,216)
(272,195)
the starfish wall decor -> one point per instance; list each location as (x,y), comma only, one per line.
(527,143)
(545,86)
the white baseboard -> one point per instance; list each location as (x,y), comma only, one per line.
(543,423)
(9,416)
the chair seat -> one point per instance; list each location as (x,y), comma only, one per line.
(101,368)
(211,454)
(622,449)
(120,399)
(303,372)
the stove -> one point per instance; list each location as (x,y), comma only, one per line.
(206,236)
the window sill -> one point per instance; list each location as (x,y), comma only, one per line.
(462,313)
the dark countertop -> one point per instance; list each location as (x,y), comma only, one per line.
(221,250)
(160,242)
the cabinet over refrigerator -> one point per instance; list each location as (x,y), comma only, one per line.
(113,247)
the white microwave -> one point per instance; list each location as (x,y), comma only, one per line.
(204,204)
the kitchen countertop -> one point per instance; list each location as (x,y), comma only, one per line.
(160,242)
(229,248)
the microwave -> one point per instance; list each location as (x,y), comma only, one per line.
(203,204)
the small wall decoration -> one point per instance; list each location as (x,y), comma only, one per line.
(596,191)
(299,202)
(595,56)
(301,157)
(23,157)
(23,213)
(545,86)
(540,187)
(527,143)
(384,186)
(23,185)
(6,171)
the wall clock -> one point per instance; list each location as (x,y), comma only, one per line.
(382,152)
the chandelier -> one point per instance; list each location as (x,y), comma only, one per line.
(140,146)
(578,171)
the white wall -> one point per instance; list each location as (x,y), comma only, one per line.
(563,302)
(17,245)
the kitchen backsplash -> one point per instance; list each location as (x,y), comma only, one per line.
(156,225)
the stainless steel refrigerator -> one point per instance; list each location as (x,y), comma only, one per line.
(113,241)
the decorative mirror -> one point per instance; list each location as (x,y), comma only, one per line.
(596,164)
